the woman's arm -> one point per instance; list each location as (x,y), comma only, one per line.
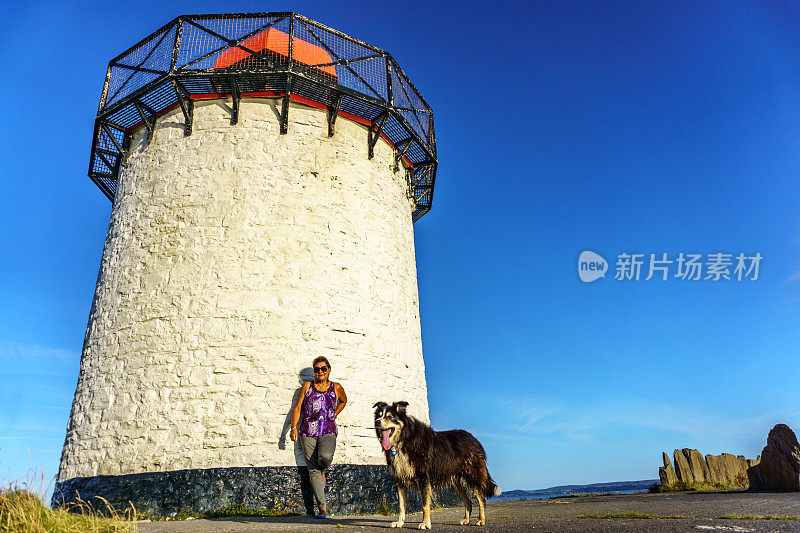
(298,407)
(342,399)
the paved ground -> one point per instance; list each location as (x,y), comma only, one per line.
(560,515)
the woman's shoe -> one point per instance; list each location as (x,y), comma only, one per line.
(322,515)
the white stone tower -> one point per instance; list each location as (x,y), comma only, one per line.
(251,231)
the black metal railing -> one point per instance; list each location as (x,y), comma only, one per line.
(278,55)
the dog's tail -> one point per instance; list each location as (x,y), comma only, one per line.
(492,489)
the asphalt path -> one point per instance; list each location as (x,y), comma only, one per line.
(562,515)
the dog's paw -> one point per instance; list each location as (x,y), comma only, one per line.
(399,523)
(424,525)
(464,522)
(481,522)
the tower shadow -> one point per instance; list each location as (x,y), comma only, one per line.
(305,375)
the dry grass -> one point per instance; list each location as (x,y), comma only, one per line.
(22,511)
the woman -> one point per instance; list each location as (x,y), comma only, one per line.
(320,401)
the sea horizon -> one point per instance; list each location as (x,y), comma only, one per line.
(612,487)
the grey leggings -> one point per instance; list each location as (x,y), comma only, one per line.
(318,452)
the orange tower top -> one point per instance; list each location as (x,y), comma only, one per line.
(277,42)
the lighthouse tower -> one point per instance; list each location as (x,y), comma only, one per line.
(265,172)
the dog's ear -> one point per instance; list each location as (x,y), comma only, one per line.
(380,404)
(400,407)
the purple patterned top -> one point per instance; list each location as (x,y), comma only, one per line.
(319,412)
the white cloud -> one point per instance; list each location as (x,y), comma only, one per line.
(794,277)
(532,412)
(17,357)
(28,437)
(545,417)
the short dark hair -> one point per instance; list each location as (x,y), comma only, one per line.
(319,360)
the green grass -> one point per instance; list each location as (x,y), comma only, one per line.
(243,510)
(642,516)
(757,517)
(384,509)
(681,486)
(23,511)
(647,516)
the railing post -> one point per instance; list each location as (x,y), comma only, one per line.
(431,137)
(176,47)
(291,41)
(287,94)
(389,97)
(104,94)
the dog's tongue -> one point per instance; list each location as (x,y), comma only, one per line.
(385,439)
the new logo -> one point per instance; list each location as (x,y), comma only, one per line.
(591,266)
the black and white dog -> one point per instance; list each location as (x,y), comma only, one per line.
(419,457)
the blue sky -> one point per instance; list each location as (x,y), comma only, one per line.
(561,127)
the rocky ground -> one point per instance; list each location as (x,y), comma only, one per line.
(563,515)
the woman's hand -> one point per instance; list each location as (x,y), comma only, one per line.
(293,434)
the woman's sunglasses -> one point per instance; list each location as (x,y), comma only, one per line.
(320,369)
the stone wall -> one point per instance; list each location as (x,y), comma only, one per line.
(351,489)
(233,257)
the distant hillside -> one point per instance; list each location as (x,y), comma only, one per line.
(594,488)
